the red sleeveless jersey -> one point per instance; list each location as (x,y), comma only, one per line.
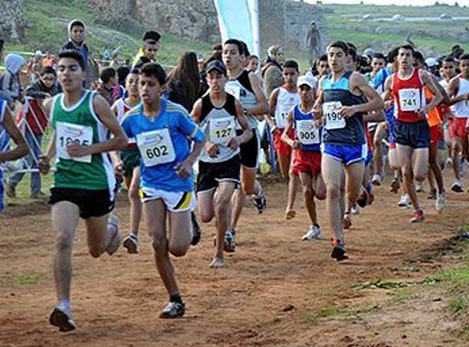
(409,97)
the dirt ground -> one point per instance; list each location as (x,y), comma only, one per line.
(275,291)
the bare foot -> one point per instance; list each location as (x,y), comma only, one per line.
(290,214)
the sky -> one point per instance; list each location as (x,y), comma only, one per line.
(394,2)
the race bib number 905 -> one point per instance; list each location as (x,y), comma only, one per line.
(67,134)
(156,147)
(334,119)
(307,132)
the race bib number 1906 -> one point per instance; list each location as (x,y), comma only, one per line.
(334,119)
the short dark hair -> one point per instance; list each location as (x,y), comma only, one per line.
(47,70)
(107,74)
(237,43)
(379,56)
(448,60)
(246,52)
(122,72)
(74,55)
(1,44)
(77,23)
(418,56)
(154,70)
(291,64)
(323,57)
(339,44)
(392,54)
(407,47)
(464,57)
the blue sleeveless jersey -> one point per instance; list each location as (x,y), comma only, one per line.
(298,115)
(352,132)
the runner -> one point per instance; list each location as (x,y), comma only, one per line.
(162,129)
(8,124)
(458,90)
(219,164)
(245,86)
(307,152)
(128,163)
(411,130)
(282,100)
(83,182)
(341,100)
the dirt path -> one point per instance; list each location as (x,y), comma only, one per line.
(276,290)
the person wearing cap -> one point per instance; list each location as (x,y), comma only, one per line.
(282,100)
(147,53)
(76,42)
(433,66)
(306,151)
(343,97)
(218,113)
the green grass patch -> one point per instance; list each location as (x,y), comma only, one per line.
(402,295)
(21,280)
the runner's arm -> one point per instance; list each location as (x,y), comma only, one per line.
(273,106)
(375,103)
(21,148)
(243,122)
(288,126)
(453,87)
(262,104)
(428,81)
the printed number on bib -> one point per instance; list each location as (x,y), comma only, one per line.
(333,118)
(409,99)
(233,90)
(156,147)
(222,130)
(307,132)
(67,134)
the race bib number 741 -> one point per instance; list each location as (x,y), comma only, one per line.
(156,147)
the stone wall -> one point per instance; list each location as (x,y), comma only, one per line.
(12,20)
(281,21)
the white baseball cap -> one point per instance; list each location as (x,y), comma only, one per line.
(431,62)
(309,81)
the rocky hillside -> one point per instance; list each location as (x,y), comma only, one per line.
(12,20)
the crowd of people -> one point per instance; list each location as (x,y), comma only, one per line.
(330,128)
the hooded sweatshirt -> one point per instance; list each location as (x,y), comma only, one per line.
(76,46)
(10,86)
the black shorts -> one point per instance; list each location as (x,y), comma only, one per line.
(414,135)
(249,150)
(92,203)
(210,174)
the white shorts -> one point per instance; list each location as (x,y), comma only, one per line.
(174,201)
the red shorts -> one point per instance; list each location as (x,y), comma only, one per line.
(436,134)
(281,147)
(457,128)
(306,161)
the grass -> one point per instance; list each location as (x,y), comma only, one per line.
(21,280)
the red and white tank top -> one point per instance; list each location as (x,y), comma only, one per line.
(409,97)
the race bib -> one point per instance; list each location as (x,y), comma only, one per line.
(222,130)
(307,132)
(282,114)
(409,99)
(67,134)
(233,90)
(331,112)
(156,147)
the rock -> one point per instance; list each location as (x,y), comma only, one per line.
(288,308)
(12,21)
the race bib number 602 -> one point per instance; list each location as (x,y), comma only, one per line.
(156,147)
(67,134)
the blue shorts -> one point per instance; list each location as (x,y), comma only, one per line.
(1,191)
(391,119)
(369,158)
(413,135)
(347,154)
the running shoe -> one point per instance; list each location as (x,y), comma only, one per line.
(432,195)
(355,209)
(376,180)
(61,317)
(440,203)
(405,201)
(217,263)
(230,241)
(260,202)
(115,241)
(363,198)
(173,310)
(419,187)
(417,217)
(395,185)
(130,242)
(338,250)
(456,187)
(347,222)
(449,161)
(196,232)
(314,232)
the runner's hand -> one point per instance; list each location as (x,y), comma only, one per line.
(347,111)
(119,170)
(233,144)
(295,144)
(183,169)
(43,164)
(76,150)
(212,149)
